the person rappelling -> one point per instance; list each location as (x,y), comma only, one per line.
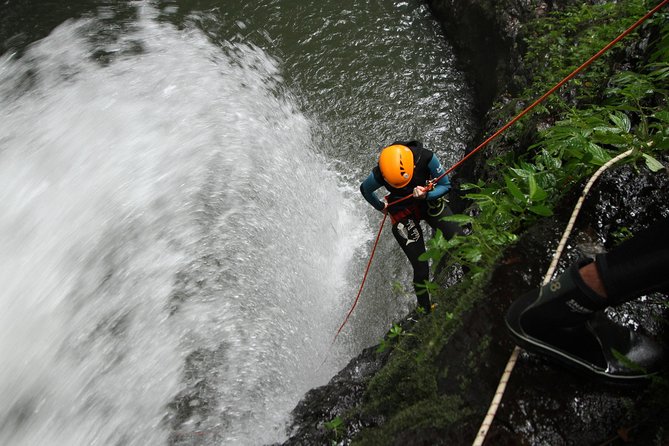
(408,169)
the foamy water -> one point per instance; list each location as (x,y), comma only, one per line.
(165,207)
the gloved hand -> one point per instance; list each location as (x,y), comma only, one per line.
(420,192)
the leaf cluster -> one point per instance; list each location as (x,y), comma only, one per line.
(562,41)
(337,427)
(556,44)
(528,186)
(630,112)
(393,336)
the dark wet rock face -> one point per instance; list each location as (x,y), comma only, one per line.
(544,403)
(627,200)
(486,35)
(323,404)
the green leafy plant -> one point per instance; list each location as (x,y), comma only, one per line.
(428,287)
(391,339)
(526,186)
(561,41)
(336,425)
(621,235)
(552,152)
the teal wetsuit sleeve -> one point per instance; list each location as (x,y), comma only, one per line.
(443,185)
(367,189)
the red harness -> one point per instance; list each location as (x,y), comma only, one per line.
(413,210)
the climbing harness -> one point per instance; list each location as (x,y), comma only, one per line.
(436,207)
(413,210)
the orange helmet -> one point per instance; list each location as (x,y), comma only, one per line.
(396,164)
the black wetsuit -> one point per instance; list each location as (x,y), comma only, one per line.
(406,216)
(637,266)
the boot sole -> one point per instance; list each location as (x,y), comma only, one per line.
(536,346)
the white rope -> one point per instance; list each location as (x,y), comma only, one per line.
(501,387)
(577,209)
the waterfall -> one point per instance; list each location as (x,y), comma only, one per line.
(172,245)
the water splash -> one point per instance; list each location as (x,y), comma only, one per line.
(163,207)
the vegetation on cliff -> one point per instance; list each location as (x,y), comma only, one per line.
(618,104)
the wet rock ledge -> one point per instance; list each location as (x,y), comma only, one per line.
(446,399)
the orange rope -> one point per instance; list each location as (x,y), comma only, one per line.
(364,278)
(560,84)
(499,132)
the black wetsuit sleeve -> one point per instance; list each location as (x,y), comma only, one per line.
(638,265)
(367,189)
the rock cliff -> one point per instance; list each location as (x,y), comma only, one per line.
(443,401)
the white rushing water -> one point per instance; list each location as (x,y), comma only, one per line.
(165,224)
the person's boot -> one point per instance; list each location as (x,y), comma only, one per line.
(564,320)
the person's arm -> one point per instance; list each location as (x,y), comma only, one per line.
(367,189)
(443,185)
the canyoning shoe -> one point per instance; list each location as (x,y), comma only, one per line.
(564,320)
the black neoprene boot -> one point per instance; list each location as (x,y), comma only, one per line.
(564,320)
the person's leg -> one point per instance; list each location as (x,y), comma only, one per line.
(409,235)
(638,266)
(436,211)
(563,319)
